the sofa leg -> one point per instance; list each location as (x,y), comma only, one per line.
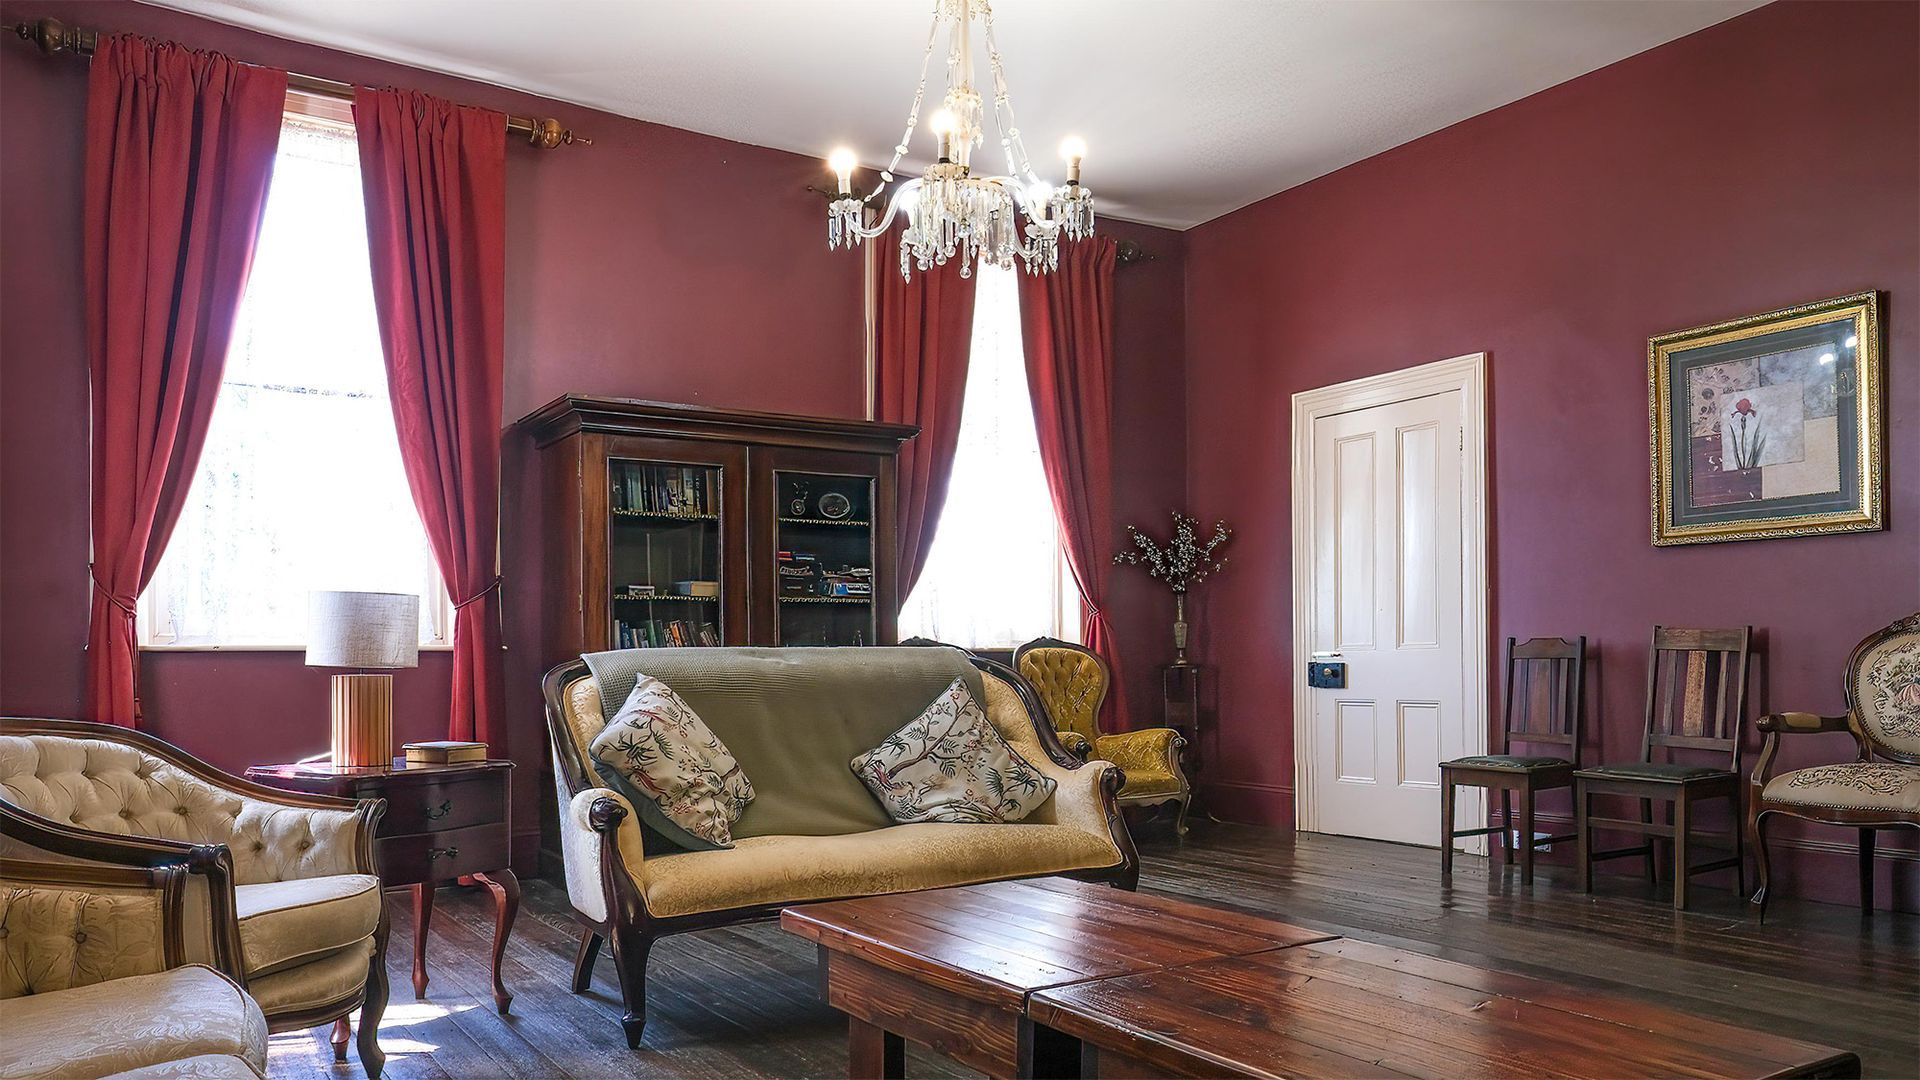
(1180,819)
(375,1004)
(630,949)
(583,961)
(342,1035)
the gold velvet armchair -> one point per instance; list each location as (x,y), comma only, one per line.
(1879,789)
(1072,682)
(288,881)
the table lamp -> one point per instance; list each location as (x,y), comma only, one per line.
(362,630)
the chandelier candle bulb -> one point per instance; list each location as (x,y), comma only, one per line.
(842,161)
(1073,148)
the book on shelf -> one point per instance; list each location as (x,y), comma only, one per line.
(669,490)
(664,634)
(444,752)
(704,589)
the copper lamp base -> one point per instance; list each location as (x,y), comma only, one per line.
(362,721)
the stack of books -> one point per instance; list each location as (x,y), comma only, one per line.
(664,633)
(444,752)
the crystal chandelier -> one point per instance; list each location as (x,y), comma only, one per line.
(950,211)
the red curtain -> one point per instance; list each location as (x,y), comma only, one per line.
(179,154)
(1066,329)
(434,174)
(923,331)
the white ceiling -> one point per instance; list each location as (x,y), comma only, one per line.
(1192,108)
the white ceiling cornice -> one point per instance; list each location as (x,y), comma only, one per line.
(1192,108)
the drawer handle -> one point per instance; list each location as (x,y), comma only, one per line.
(434,813)
(435,853)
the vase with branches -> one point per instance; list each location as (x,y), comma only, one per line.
(1180,562)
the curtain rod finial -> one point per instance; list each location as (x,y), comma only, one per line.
(51,36)
(547,133)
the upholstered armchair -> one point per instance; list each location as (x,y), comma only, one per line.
(1072,682)
(94,979)
(294,907)
(1880,789)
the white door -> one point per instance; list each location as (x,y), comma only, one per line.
(1387,594)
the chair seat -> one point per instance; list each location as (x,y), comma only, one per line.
(131,1023)
(287,923)
(1521,762)
(1665,772)
(1854,785)
(1143,756)
(199,1067)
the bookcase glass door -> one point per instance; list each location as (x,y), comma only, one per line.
(664,551)
(824,565)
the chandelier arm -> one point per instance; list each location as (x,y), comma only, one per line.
(1018,163)
(885,221)
(913,113)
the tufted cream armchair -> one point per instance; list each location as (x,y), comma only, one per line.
(288,881)
(1072,682)
(93,973)
(1880,789)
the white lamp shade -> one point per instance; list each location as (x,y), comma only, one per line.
(363,630)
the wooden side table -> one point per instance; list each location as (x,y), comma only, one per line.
(443,822)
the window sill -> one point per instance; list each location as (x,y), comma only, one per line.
(146,648)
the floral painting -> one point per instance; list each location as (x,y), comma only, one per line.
(1768,426)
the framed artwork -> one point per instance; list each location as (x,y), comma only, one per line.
(1768,426)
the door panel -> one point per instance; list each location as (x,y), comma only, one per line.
(1386,527)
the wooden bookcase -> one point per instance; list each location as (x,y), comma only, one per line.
(677,524)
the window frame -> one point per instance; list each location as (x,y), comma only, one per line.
(154,621)
(1067,621)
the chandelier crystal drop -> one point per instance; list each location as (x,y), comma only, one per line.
(952,213)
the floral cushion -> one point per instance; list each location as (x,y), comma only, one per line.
(949,764)
(1854,785)
(689,786)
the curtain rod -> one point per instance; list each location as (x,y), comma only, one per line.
(54,36)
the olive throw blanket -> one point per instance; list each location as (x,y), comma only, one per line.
(793,719)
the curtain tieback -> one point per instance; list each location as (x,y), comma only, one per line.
(492,586)
(123,603)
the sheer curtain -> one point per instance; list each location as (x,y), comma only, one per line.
(993,579)
(300,486)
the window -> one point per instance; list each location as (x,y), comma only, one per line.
(300,484)
(996,576)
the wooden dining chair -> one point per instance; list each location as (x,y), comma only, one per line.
(1696,703)
(1542,707)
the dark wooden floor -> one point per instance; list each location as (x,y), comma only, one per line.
(740,1002)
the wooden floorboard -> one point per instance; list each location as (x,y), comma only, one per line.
(740,1001)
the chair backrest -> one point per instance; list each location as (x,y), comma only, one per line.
(1546,692)
(1071,681)
(1883,690)
(1696,691)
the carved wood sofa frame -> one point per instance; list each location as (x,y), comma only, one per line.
(1760,809)
(215,863)
(631,929)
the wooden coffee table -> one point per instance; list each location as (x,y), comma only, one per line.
(953,969)
(1347,1008)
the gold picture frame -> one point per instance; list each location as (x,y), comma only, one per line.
(1768,426)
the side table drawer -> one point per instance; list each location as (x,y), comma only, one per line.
(437,856)
(444,805)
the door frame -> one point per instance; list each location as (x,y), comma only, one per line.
(1467,374)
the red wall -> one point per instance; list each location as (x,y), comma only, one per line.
(656,263)
(1767,161)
